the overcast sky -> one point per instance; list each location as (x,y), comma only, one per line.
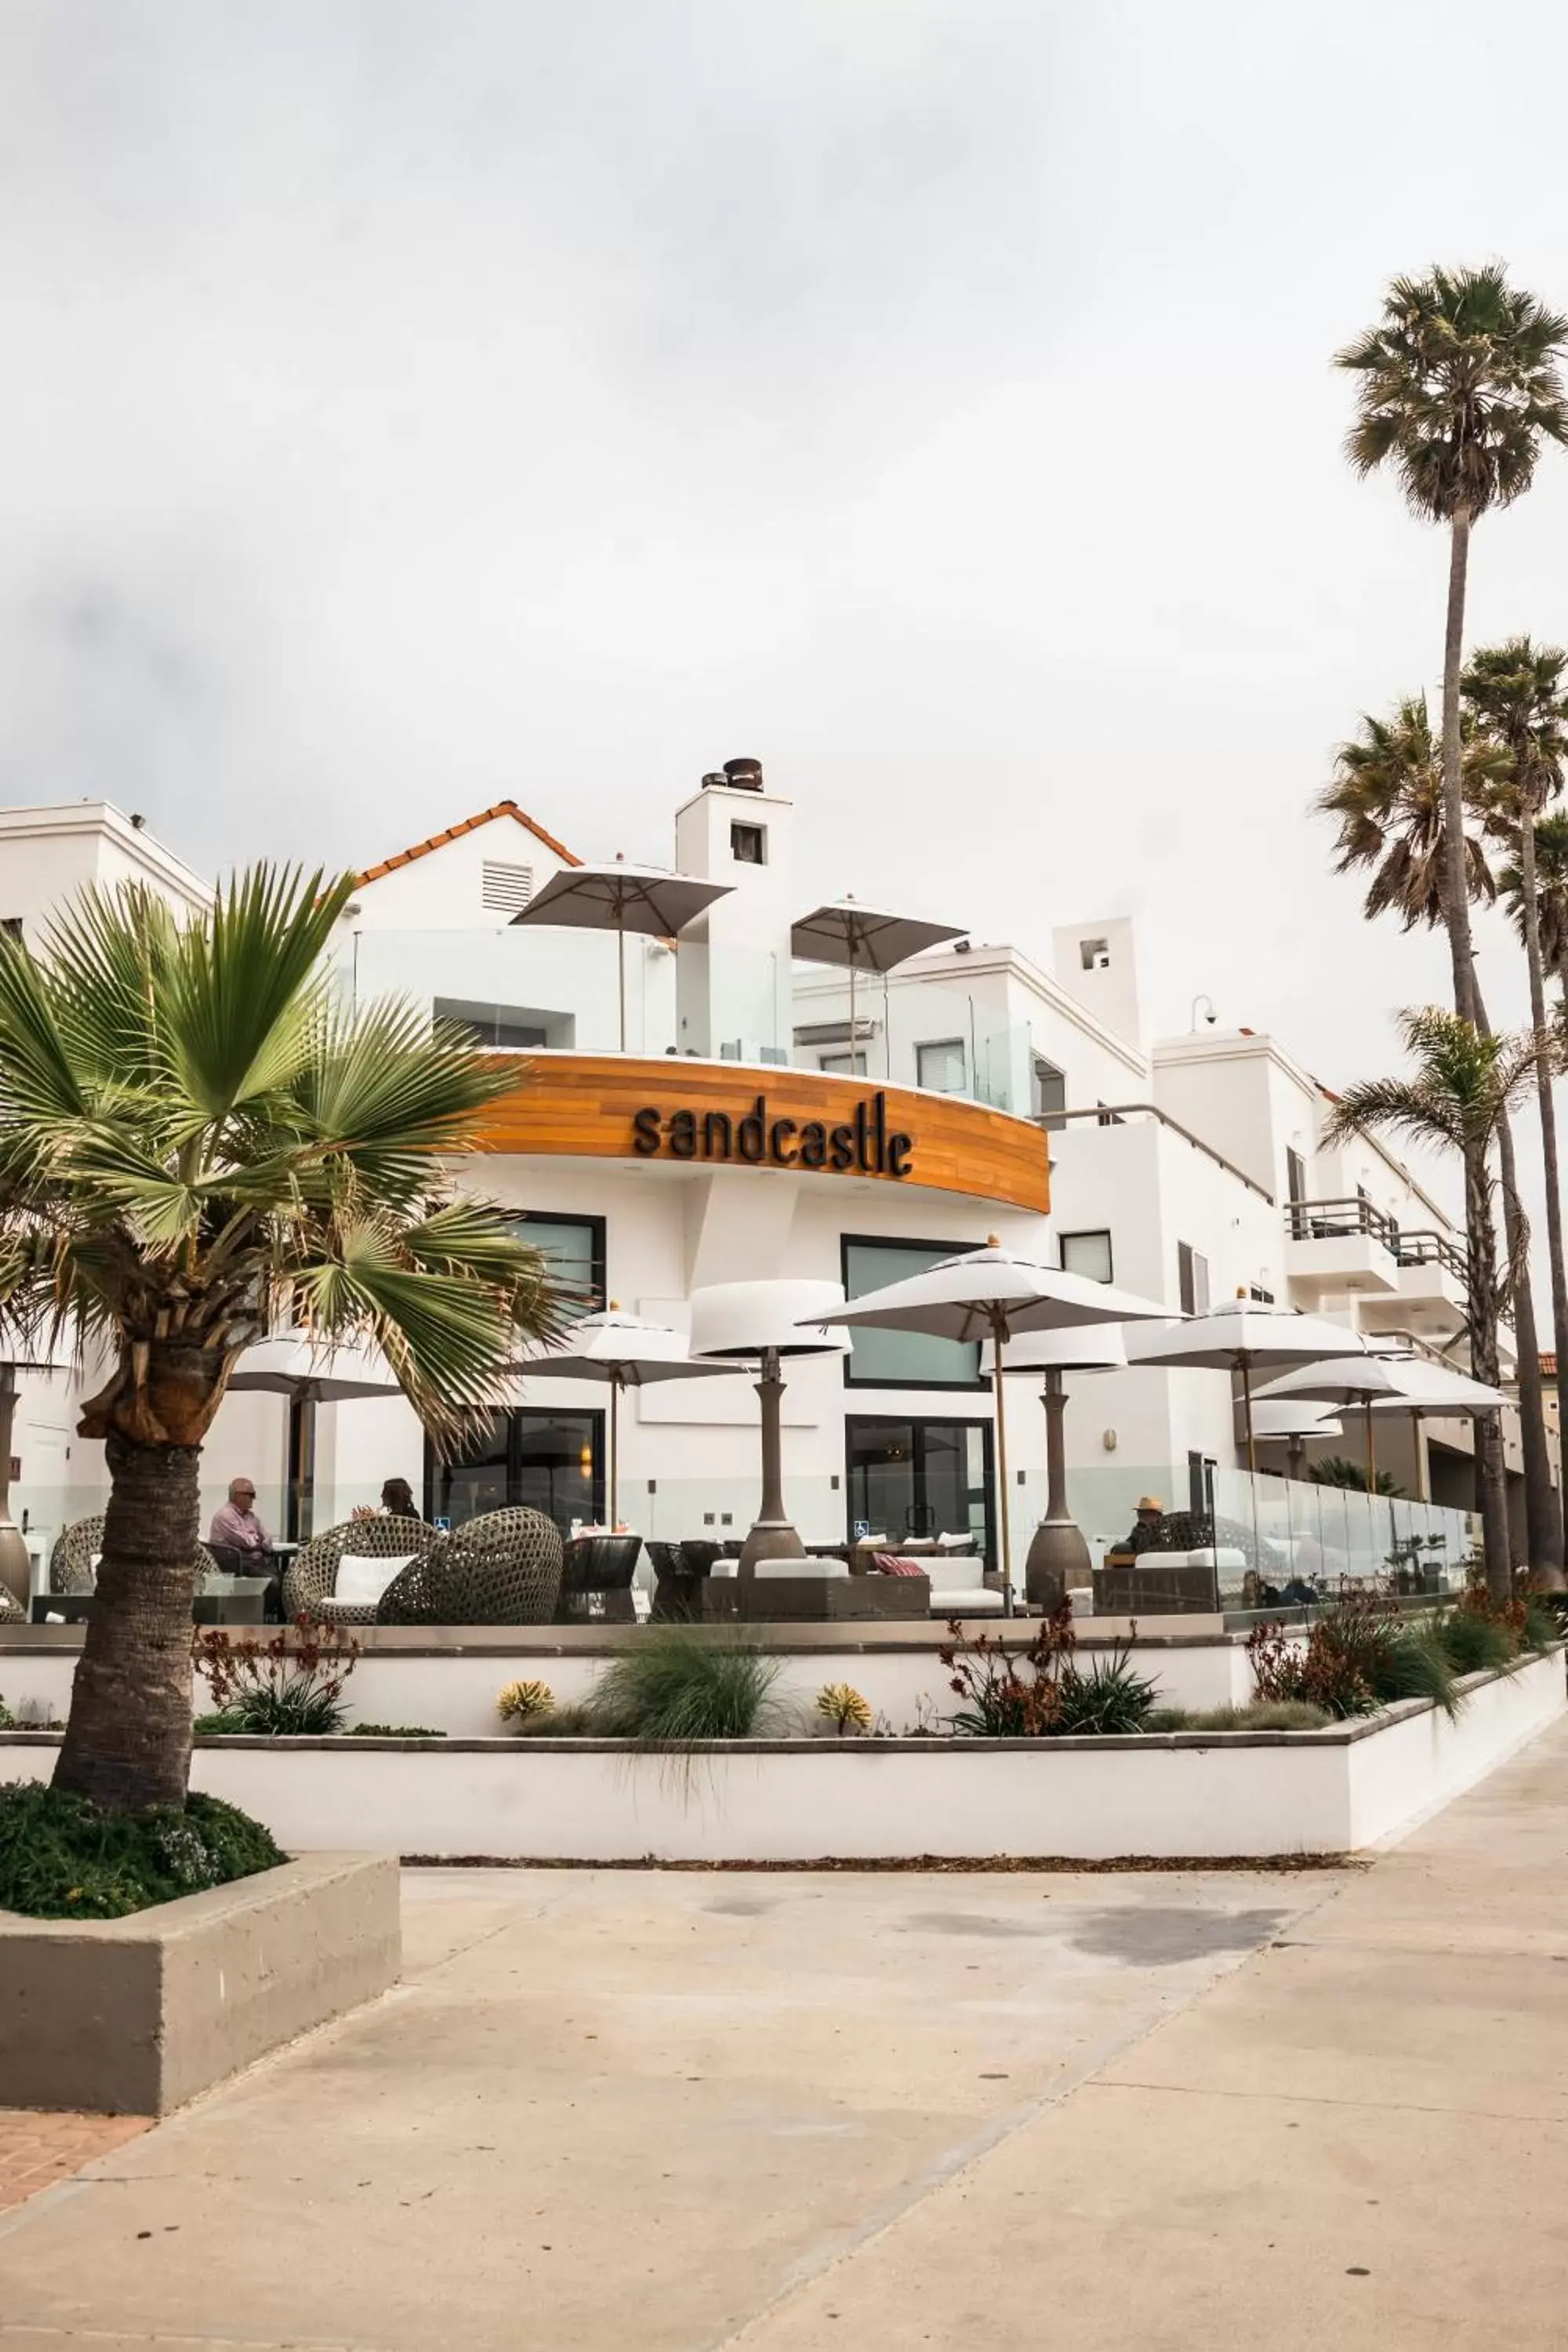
(410,402)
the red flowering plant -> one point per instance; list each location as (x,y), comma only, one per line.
(290,1685)
(1009,1693)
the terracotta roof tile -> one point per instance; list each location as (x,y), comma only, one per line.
(469,825)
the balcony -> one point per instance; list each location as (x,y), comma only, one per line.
(1337,1245)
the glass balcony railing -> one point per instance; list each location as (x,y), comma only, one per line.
(550,990)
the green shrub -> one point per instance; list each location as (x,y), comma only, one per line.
(681,1683)
(1475,1643)
(290,1685)
(1358,1656)
(1338,1470)
(557,1723)
(1543,1625)
(216,1727)
(63,1858)
(1110,1699)
(1413,1663)
(7,1720)
(1263,1714)
(394,1731)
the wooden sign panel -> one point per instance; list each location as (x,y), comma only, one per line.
(709,1114)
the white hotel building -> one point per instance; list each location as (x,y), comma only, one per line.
(1032,1109)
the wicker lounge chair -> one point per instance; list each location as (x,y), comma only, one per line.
(501,1569)
(309,1583)
(72,1562)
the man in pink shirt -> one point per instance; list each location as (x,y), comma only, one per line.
(235,1523)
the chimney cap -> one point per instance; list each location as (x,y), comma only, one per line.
(743,775)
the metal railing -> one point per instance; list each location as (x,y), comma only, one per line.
(1117,1114)
(1429,1248)
(1321,1221)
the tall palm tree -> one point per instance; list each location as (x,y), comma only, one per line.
(1459,385)
(1387,794)
(1463,1085)
(1551,895)
(198,1139)
(1516,693)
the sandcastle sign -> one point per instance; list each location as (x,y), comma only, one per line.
(861,1145)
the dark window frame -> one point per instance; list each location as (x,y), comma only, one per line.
(1090,1233)
(944,1046)
(846,1242)
(1295,1175)
(598,1260)
(913,1422)
(1188,1260)
(514,1417)
(741,830)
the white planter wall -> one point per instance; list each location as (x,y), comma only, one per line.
(1317,1792)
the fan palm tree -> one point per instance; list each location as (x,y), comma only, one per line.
(1459,385)
(1464,1084)
(197,1139)
(1388,796)
(1516,693)
(1550,895)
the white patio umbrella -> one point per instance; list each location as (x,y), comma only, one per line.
(866,938)
(1381,1383)
(1246,1336)
(1364,1380)
(295,1366)
(624,1352)
(993,1293)
(1295,1423)
(622,899)
(309,1373)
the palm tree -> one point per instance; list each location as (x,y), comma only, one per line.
(197,1139)
(1460,386)
(1516,693)
(1464,1084)
(1388,796)
(1551,895)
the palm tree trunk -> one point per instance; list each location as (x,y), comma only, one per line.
(1542,1513)
(128,1740)
(1456,892)
(1491,1493)
(1543,1072)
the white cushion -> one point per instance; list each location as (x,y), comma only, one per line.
(955,1543)
(358,1578)
(964,1573)
(823,1568)
(1225,1557)
(966,1603)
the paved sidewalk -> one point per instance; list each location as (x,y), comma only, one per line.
(671,2113)
(37,2151)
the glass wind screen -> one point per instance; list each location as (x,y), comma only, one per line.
(901,1359)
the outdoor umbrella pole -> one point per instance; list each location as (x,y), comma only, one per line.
(1251,1465)
(1421,1494)
(998,1333)
(621,972)
(1370,1450)
(615,1451)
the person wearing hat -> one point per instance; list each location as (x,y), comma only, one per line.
(1148,1533)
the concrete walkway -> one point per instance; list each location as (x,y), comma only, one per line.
(780,2111)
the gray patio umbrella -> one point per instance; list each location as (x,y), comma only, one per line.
(992,1292)
(866,938)
(310,1373)
(1437,1392)
(1243,1336)
(622,899)
(624,1352)
(1394,1384)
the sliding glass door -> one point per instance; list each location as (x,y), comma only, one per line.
(918,1477)
(549,1461)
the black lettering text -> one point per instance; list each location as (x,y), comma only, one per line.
(683,1135)
(814,1144)
(778,1135)
(862,1141)
(645,1133)
(842,1141)
(715,1125)
(899,1150)
(751,1135)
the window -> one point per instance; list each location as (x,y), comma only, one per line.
(1295,1176)
(918,1477)
(547,1459)
(511,1028)
(505,889)
(1094,955)
(940,1067)
(1109,1118)
(1089,1254)
(1048,1092)
(1192,1279)
(1255,1290)
(749,844)
(902,1359)
(573,1250)
(844,1066)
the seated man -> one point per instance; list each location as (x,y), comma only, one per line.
(1148,1527)
(235,1525)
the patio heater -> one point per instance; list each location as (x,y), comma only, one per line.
(767,1322)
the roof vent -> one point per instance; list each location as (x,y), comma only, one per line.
(743,775)
(506,889)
